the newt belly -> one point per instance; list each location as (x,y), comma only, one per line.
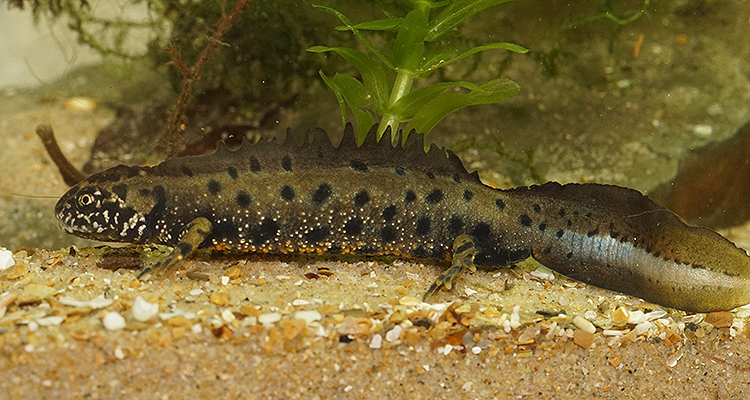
(379,200)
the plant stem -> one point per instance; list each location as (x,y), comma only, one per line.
(401,87)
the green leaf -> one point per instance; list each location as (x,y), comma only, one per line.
(407,50)
(456,13)
(354,91)
(339,96)
(350,26)
(373,74)
(365,120)
(502,45)
(434,111)
(412,102)
(390,24)
(434,59)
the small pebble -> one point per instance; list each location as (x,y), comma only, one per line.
(394,334)
(113,321)
(50,320)
(408,301)
(543,274)
(119,353)
(196,328)
(195,292)
(269,318)
(308,316)
(6,259)
(620,316)
(719,319)
(376,342)
(636,317)
(583,339)
(227,315)
(583,324)
(144,310)
(95,303)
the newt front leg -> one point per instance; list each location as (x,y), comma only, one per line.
(196,232)
(464,251)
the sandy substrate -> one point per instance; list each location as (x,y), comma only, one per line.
(319,328)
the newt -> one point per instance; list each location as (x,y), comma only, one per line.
(375,199)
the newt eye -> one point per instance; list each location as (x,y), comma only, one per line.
(85,199)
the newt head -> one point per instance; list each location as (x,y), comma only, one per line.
(91,211)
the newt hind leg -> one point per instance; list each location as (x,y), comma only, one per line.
(195,233)
(464,251)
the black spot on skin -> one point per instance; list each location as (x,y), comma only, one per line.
(388,234)
(254,165)
(400,170)
(423,225)
(334,249)
(353,227)
(286,164)
(500,204)
(266,230)
(614,235)
(361,198)
(537,208)
(624,239)
(287,193)
(322,193)
(223,229)
(358,165)
(430,174)
(157,211)
(559,234)
(524,219)
(593,232)
(186,171)
(455,225)
(542,227)
(420,252)
(434,197)
(481,230)
(317,234)
(144,193)
(389,212)
(569,255)
(438,253)
(184,248)
(648,250)
(232,172)
(243,199)
(457,178)
(468,195)
(657,254)
(213,186)
(121,190)
(561,213)
(409,196)
(570,223)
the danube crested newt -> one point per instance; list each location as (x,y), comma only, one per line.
(375,199)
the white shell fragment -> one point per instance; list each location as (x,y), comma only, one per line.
(95,303)
(113,321)
(144,310)
(6,259)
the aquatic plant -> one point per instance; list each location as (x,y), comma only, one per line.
(387,76)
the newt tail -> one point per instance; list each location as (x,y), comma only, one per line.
(378,200)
